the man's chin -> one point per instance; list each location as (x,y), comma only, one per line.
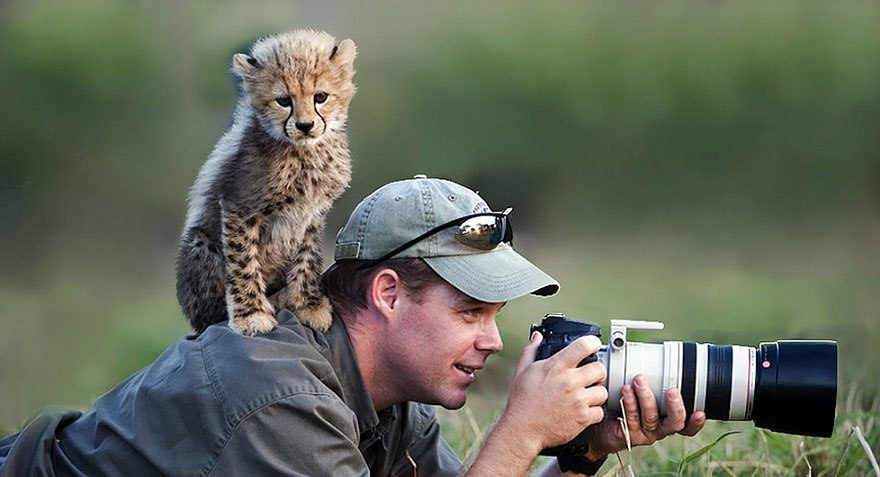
(453,407)
(453,404)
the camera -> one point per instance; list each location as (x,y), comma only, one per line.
(787,386)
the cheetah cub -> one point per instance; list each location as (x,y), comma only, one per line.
(257,208)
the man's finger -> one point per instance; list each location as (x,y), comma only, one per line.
(577,351)
(675,413)
(593,373)
(631,409)
(694,424)
(650,416)
(597,396)
(529,353)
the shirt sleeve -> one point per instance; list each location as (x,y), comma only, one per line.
(305,434)
(29,452)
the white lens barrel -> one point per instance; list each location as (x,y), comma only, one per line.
(742,389)
(635,358)
(671,372)
(702,359)
(719,380)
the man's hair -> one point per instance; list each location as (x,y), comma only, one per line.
(347,282)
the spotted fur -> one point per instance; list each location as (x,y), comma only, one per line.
(257,208)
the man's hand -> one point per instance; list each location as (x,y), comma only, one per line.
(552,400)
(643,420)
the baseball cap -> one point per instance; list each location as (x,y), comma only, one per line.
(401,211)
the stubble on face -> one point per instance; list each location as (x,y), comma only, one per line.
(434,346)
(437,345)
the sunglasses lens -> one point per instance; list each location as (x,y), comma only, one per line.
(483,233)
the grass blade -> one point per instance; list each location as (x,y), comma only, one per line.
(843,453)
(702,451)
(867,450)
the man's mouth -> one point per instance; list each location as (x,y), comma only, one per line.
(465,369)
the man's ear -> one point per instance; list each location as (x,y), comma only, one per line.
(385,292)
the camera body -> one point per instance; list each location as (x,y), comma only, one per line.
(787,386)
(559,332)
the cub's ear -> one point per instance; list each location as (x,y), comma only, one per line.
(244,65)
(343,55)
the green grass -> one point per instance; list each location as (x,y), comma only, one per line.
(741,449)
(711,165)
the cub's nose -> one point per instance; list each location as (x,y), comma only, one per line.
(305,127)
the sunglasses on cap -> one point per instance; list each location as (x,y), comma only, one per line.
(482,231)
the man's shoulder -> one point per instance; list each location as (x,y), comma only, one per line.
(247,372)
(185,407)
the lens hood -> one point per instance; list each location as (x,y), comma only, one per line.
(796,387)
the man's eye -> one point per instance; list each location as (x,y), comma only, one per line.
(284,101)
(320,97)
(472,313)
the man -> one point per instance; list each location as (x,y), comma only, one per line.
(422,268)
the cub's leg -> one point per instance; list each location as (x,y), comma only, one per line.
(250,312)
(304,294)
(201,279)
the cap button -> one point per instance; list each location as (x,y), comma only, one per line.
(420,176)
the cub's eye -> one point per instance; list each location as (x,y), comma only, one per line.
(284,101)
(320,97)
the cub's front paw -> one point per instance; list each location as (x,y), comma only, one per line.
(318,317)
(253,324)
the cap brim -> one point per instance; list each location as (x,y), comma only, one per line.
(497,276)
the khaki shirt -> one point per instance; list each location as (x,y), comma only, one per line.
(288,402)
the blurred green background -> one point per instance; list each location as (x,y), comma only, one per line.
(714,165)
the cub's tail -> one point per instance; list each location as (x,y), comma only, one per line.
(201,280)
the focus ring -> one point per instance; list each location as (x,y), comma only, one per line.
(688,375)
(718,380)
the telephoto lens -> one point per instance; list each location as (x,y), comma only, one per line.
(787,386)
(784,386)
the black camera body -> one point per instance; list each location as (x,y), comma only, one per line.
(787,386)
(558,332)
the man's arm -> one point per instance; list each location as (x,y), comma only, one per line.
(550,402)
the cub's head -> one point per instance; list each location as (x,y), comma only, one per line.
(299,84)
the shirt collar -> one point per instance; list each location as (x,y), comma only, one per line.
(340,353)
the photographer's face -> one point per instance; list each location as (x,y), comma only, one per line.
(439,345)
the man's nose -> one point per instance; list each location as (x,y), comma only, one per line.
(490,339)
(305,126)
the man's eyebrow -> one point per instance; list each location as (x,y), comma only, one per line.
(465,300)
